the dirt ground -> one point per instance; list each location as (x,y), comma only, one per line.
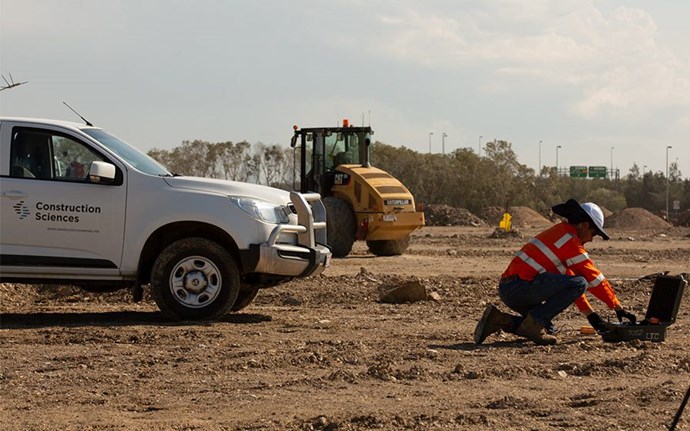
(325,354)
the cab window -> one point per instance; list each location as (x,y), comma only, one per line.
(45,155)
(344,148)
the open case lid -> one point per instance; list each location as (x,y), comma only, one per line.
(666,297)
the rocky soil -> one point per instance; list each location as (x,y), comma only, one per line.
(326,354)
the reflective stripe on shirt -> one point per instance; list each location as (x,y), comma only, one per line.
(577,259)
(531,262)
(549,254)
(561,242)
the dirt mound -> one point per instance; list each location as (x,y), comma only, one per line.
(525,217)
(522,217)
(492,215)
(444,215)
(636,219)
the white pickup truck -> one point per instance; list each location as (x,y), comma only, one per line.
(81,207)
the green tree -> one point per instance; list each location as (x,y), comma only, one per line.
(272,164)
(649,193)
(607,198)
(232,160)
(634,174)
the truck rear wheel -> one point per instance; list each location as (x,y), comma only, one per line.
(340,226)
(193,279)
(391,247)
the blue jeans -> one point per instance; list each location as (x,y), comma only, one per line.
(545,297)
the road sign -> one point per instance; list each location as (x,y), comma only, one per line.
(578,171)
(597,172)
(676,205)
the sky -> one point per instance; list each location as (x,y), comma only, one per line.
(606,81)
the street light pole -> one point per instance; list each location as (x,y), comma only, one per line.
(479,147)
(540,157)
(611,162)
(443,142)
(557,147)
(667,181)
(430,133)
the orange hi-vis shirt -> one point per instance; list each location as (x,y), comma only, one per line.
(558,250)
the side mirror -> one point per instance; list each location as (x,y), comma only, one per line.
(101,172)
(293,141)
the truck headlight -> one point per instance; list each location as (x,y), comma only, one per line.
(262,210)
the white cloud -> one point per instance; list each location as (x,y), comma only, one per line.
(613,60)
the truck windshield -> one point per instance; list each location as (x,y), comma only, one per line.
(131,155)
(345,148)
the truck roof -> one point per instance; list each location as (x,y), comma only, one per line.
(62,123)
(349,129)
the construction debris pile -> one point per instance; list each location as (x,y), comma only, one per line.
(444,215)
(527,218)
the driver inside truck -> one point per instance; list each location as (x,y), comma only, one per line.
(29,154)
(342,158)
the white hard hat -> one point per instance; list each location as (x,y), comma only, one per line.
(572,210)
(597,216)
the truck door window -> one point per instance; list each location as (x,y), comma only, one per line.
(30,155)
(72,158)
(46,155)
(336,152)
(318,165)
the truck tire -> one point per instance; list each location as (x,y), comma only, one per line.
(341,226)
(392,247)
(194,279)
(244,298)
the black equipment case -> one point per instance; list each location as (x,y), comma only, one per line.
(661,313)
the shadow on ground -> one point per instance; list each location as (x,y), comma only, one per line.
(114,318)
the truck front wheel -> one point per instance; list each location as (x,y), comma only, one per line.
(341,226)
(193,279)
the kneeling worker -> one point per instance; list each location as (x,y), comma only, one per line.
(549,273)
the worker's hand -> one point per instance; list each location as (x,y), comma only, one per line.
(622,314)
(598,323)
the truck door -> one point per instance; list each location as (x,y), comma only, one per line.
(55,221)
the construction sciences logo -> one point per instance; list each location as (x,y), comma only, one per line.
(22,210)
(65,213)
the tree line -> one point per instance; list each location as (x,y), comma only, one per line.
(241,161)
(460,179)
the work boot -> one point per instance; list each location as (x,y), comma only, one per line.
(493,320)
(529,328)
